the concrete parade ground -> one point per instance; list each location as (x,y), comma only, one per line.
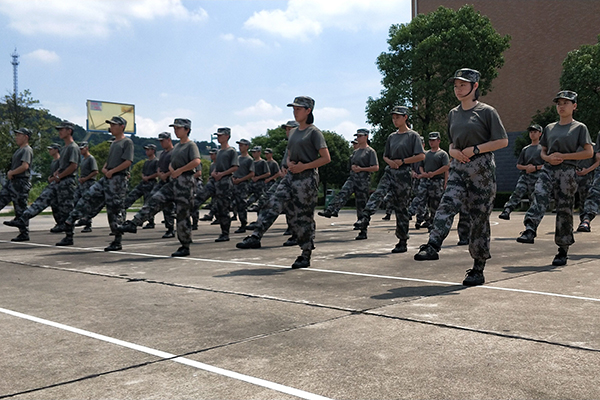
(362,323)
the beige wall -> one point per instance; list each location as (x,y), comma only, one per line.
(542,32)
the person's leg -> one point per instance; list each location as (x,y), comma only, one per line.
(566,187)
(541,198)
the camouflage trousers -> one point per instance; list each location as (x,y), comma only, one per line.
(264,198)
(179,191)
(17,191)
(555,182)
(199,199)
(240,201)
(257,189)
(357,183)
(592,201)
(427,200)
(195,212)
(471,189)
(221,192)
(584,183)
(168,208)
(524,187)
(298,193)
(396,182)
(142,189)
(112,193)
(60,194)
(418,204)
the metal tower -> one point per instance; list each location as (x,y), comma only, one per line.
(15,63)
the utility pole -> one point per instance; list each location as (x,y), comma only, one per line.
(15,63)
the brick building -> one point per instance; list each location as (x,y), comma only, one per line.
(542,33)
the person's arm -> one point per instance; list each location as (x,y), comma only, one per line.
(557,158)
(261,177)
(175,173)
(92,175)
(591,168)
(19,170)
(123,166)
(298,167)
(68,171)
(219,175)
(487,147)
(441,170)
(372,168)
(244,178)
(408,160)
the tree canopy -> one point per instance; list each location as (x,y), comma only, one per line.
(422,56)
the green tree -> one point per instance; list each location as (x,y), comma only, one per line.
(136,173)
(336,172)
(100,152)
(581,73)
(275,140)
(422,55)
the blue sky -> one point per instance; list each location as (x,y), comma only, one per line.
(218,63)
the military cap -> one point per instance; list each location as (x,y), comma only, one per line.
(182,122)
(402,110)
(268,150)
(467,75)
(257,148)
(303,101)
(164,135)
(566,94)
(83,145)
(362,132)
(117,120)
(290,124)
(354,141)
(434,136)
(535,127)
(66,124)
(224,131)
(54,146)
(24,131)
(244,141)
(213,151)
(150,146)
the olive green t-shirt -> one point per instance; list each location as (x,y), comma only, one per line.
(21,155)
(473,127)
(273,167)
(403,145)
(246,165)
(261,167)
(435,160)
(68,155)
(226,158)
(531,154)
(364,158)
(183,154)
(565,139)
(88,165)
(120,150)
(304,145)
(54,166)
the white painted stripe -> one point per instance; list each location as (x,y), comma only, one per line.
(397,278)
(172,357)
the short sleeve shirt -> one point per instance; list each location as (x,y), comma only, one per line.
(54,166)
(435,160)
(246,165)
(304,145)
(23,154)
(261,167)
(473,127)
(184,153)
(120,151)
(403,145)
(68,155)
(531,154)
(364,158)
(226,158)
(565,139)
(164,161)
(273,167)
(88,165)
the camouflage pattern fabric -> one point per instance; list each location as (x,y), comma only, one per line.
(61,193)
(256,190)
(471,188)
(297,192)
(142,189)
(357,183)
(168,208)
(592,201)
(17,191)
(398,183)
(179,191)
(222,193)
(432,191)
(524,187)
(584,184)
(112,192)
(560,183)
(240,201)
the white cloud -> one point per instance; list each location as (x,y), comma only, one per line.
(252,129)
(304,19)
(260,109)
(45,56)
(247,42)
(98,18)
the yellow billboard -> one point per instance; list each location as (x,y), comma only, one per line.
(100,111)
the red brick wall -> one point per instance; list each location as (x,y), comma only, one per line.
(542,32)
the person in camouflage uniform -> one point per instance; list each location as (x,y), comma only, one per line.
(210,185)
(298,190)
(88,169)
(529,163)
(111,189)
(475,131)
(54,151)
(262,171)
(433,176)
(402,148)
(144,188)
(241,184)
(185,158)
(418,204)
(274,169)
(16,189)
(62,189)
(563,143)
(587,188)
(363,163)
